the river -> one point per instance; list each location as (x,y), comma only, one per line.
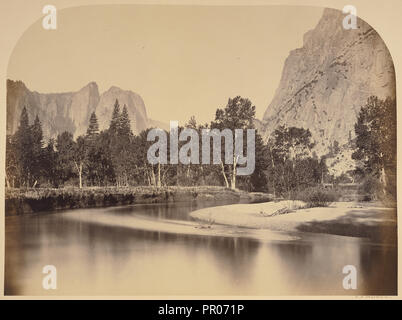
(156,249)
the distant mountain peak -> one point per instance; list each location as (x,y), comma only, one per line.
(91,84)
(70,111)
(115,88)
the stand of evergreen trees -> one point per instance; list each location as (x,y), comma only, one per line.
(117,157)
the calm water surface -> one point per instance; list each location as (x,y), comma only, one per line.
(96,259)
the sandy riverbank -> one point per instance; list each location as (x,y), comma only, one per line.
(108,218)
(340,218)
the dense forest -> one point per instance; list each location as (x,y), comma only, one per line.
(116,157)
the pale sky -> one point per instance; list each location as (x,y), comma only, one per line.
(182,60)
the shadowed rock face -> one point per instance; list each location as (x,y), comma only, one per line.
(70,111)
(135,106)
(325,83)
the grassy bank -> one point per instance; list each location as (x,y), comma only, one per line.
(22,201)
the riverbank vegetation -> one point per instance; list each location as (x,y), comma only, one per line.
(317,196)
(285,164)
(19,201)
(375,149)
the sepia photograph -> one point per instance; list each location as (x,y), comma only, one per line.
(200,150)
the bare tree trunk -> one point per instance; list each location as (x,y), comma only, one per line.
(159,174)
(148,176)
(188,171)
(79,170)
(383,180)
(153,179)
(224,175)
(285,181)
(202,174)
(80,173)
(7,181)
(273,168)
(233,182)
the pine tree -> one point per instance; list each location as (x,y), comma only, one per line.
(119,143)
(125,127)
(115,122)
(93,127)
(37,133)
(37,150)
(24,149)
(192,123)
(24,119)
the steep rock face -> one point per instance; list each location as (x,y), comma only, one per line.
(135,106)
(325,83)
(70,111)
(83,103)
(54,110)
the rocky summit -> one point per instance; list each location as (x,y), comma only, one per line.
(70,111)
(326,82)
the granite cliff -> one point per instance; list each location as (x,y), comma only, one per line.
(70,111)
(326,81)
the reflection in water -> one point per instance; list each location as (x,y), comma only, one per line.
(94,259)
